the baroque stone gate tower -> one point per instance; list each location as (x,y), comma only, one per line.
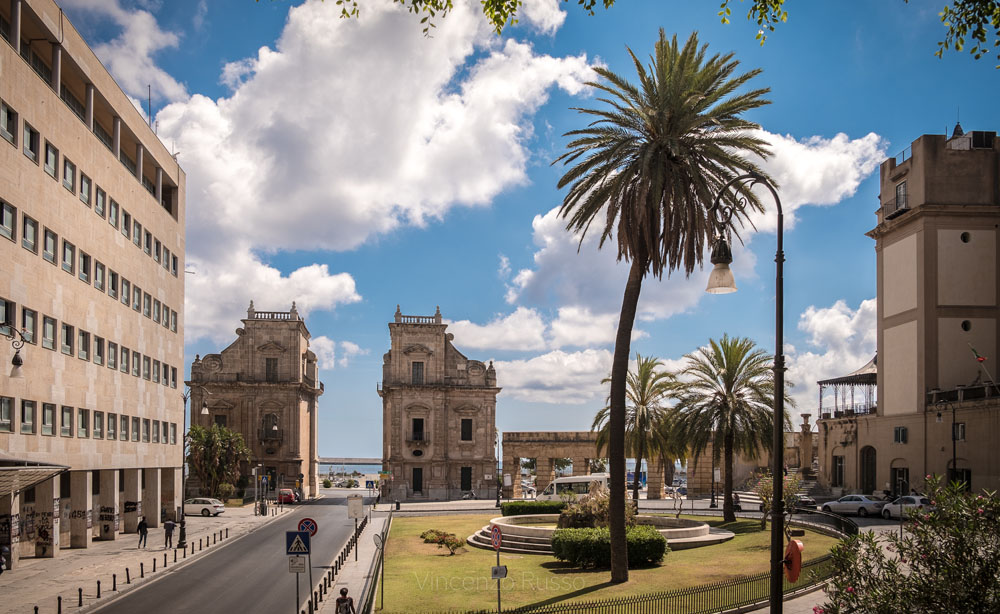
(438,415)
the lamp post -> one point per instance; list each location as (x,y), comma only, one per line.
(17,342)
(499,480)
(713,504)
(721,282)
(182,538)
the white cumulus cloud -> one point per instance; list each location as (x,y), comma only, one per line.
(326,350)
(521,330)
(556,377)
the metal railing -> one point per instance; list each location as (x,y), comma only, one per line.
(894,207)
(368,595)
(903,156)
(269,434)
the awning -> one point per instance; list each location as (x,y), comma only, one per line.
(17,474)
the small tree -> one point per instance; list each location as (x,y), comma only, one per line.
(226,491)
(948,561)
(764,488)
(215,455)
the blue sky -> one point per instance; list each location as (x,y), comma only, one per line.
(355,165)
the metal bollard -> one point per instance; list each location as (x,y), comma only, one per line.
(213,538)
(164,559)
(36,609)
(154,565)
(227,532)
(98,589)
(59,604)
(128,576)
(199,543)
(175,555)
(79,593)
(142,571)
(315,598)
(114,582)
(185,551)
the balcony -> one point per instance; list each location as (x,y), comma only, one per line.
(271,435)
(850,410)
(894,208)
(960,394)
(418,439)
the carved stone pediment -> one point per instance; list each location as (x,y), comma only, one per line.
(271,349)
(418,348)
(221,405)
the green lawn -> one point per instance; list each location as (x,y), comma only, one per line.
(422,577)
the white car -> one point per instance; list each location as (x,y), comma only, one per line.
(861,505)
(204,507)
(907,504)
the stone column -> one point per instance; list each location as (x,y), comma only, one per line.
(107,516)
(10,527)
(170,490)
(546,470)
(581,466)
(116,137)
(15,25)
(81,485)
(806,444)
(88,115)
(512,468)
(47,518)
(57,68)
(654,479)
(151,496)
(131,501)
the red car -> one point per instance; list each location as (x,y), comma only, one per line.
(285,495)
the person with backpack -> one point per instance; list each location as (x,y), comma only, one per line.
(344,604)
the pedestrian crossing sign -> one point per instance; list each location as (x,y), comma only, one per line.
(296,542)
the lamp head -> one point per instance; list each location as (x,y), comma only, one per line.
(204,408)
(15,370)
(721,280)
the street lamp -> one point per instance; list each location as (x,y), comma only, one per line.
(182,538)
(499,481)
(17,342)
(721,282)
(951,474)
(713,504)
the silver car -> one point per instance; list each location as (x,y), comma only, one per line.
(905,506)
(855,504)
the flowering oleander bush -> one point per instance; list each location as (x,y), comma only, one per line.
(443,539)
(948,560)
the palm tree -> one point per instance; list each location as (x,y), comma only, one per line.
(647,169)
(646,391)
(726,396)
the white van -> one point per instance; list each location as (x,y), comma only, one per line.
(579,485)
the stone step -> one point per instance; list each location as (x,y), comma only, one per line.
(479,541)
(486,532)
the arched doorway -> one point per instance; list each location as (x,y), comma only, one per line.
(868,469)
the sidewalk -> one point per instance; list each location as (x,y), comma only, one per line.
(41,581)
(356,576)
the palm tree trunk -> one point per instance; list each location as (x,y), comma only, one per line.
(616,422)
(728,514)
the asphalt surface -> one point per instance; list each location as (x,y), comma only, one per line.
(250,574)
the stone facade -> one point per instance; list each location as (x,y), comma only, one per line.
(545,447)
(92,244)
(438,415)
(264,386)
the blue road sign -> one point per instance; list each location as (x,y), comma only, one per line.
(370,484)
(296,542)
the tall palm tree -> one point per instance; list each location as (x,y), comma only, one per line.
(726,396)
(647,169)
(646,392)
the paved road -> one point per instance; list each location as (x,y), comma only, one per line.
(250,574)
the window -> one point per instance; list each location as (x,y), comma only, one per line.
(51,159)
(135,363)
(100,198)
(418,429)
(156,371)
(29,234)
(958,431)
(48,419)
(899,434)
(126,223)
(48,333)
(147,245)
(112,426)
(123,431)
(69,257)
(837,475)
(98,425)
(83,346)
(220,419)
(147,304)
(156,250)
(135,429)
(136,298)
(98,351)
(85,189)
(27,417)
(8,317)
(83,423)
(124,360)
(6,414)
(173,321)
(69,175)
(165,320)
(466,429)
(137,233)
(145,367)
(126,290)
(49,248)
(30,143)
(156,431)
(417,373)
(901,196)
(99,276)
(8,123)
(145,430)
(112,355)
(173,433)
(29,324)
(66,423)
(271,369)
(113,284)
(84,272)
(67,339)
(113,213)
(173,378)
(8,221)
(166,258)
(173,265)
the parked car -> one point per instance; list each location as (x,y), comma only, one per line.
(204,507)
(285,495)
(904,505)
(577,485)
(862,505)
(802,503)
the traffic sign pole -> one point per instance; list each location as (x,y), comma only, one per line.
(310,525)
(496,536)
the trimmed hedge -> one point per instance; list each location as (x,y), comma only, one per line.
(519,508)
(592,547)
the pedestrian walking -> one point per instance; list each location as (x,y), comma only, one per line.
(344,604)
(143,532)
(168,534)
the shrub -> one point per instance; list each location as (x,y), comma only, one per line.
(592,547)
(518,508)
(591,510)
(226,491)
(442,539)
(327,483)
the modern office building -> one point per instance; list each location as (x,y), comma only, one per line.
(937,404)
(265,387)
(438,415)
(92,253)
